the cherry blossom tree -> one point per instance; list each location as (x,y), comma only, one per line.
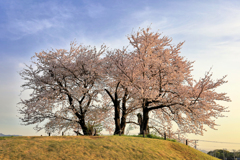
(164,84)
(76,89)
(65,86)
(119,93)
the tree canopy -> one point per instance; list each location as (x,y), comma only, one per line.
(82,88)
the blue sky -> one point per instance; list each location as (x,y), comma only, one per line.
(210,29)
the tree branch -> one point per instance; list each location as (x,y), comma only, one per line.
(132,122)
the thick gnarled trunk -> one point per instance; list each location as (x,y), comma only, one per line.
(84,126)
(145,120)
(117,118)
(139,115)
(120,124)
(124,112)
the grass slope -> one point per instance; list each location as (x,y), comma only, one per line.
(100,147)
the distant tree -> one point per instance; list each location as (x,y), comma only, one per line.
(238,153)
(219,153)
(164,85)
(65,88)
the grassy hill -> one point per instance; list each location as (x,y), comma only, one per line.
(97,147)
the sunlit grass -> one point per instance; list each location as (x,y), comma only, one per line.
(100,147)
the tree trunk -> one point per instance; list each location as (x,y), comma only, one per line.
(81,116)
(123,123)
(95,132)
(83,126)
(116,103)
(117,117)
(145,121)
(119,125)
(139,115)
(124,112)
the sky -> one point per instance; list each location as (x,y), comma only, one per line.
(210,29)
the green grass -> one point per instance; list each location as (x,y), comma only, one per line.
(98,147)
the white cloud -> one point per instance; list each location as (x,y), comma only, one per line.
(26,27)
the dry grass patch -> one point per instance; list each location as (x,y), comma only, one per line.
(89,147)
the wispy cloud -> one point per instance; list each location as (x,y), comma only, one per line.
(34,18)
(25,27)
(201,25)
(209,19)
